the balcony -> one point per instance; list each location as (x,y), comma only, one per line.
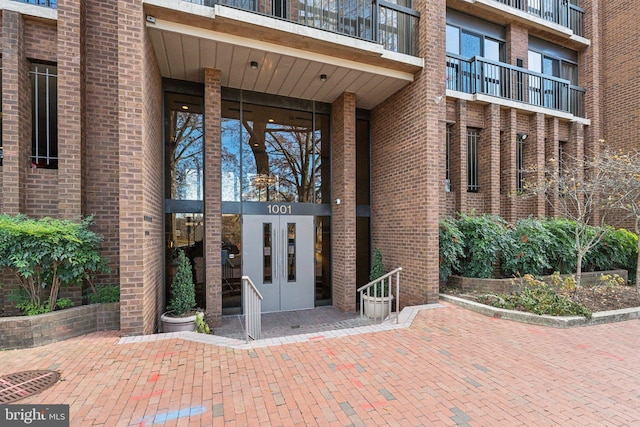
(379,21)
(482,76)
(560,12)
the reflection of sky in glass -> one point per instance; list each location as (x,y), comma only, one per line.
(275,150)
(188,156)
(230,160)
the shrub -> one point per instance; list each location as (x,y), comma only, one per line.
(46,254)
(183,294)
(451,247)
(201,325)
(618,249)
(524,248)
(538,298)
(561,251)
(376,272)
(482,242)
(104,294)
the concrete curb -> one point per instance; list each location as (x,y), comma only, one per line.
(405,319)
(599,318)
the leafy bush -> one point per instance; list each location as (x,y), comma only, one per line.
(617,250)
(524,248)
(46,254)
(183,294)
(561,251)
(104,294)
(538,298)
(482,242)
(451,247)
(201,325)
(26,307)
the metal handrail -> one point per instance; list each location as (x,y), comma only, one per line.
(494,78)
(385,284)
(252,303)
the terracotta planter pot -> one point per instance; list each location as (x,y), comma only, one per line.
(178,324)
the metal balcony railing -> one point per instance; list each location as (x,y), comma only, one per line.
(393,26)
(480,75)
(561,12)
(47,3)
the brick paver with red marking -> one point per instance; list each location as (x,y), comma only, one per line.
(450,367)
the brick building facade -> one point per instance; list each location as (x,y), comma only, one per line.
(175,122)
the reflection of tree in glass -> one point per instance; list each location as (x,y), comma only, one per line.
(286,159)
(185,153)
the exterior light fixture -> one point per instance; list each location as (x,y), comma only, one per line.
(254,65)
(185,107)
(323,77)
(523,136)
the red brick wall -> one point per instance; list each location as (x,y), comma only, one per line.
(131,140)
(343,186)
(620,71)
(152,165)
(71,60)
(101,164)
(40,39)
(213,202)
(406,175)
(42,193)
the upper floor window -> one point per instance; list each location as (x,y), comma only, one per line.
(469,44)
(44,141)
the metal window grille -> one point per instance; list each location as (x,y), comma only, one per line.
(520,164)
(473,135)
(447,173)
(44,87)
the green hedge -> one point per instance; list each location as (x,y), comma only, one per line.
(471,246)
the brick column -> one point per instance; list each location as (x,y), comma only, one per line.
(489,158)
(508,165)
(131,181)
(343,216)
(16,114)
(534,156)
(212,195)
(70,106)
(458,155)
(16,130)
(552,143)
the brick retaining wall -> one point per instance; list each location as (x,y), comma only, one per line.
(33,331)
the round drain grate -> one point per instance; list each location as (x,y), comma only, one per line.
(19,385)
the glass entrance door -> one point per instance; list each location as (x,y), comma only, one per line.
(278,256)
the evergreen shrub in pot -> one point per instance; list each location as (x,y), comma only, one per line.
(181,314)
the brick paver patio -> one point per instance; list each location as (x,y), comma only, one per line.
(451,367)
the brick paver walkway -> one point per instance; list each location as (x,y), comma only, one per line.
(451,367)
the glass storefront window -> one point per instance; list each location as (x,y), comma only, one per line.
(279,154)
(231,264)
(184,140)
(185,232)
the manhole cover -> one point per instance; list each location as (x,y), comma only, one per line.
(19,385)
